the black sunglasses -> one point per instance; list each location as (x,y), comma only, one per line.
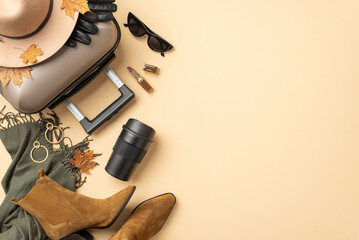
(154,41)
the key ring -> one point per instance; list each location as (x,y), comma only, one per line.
(37,145)
(49,127)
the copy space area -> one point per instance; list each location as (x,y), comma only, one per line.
(256,112)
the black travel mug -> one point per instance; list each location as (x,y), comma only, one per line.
(130,148)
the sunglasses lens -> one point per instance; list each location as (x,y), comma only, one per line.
(154,43)
(136,28)
(157,44)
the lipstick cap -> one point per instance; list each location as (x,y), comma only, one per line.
(151,69)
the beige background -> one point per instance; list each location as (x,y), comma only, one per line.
(256,112)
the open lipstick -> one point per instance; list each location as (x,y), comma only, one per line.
(140,79)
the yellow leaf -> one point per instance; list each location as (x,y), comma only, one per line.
(14,74)
(83,161)
(74,5)
(30,54)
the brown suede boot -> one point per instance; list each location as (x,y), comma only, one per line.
(62,212)
(147,219)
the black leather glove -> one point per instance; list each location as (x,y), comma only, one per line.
(85,25)
(103,9)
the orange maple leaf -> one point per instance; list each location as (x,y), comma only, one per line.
(83,161)
(14,74)
(74,5)
(31,53)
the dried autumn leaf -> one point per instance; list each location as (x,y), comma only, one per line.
(31,53)
(14,74)
(83,161)
(74,5)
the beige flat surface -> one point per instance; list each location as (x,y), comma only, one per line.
(256,112)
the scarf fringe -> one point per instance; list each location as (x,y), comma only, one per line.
(9,120)
(82,146)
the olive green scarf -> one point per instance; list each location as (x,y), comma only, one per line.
(18,133)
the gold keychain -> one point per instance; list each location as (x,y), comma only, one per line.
(50,127)
(37,145)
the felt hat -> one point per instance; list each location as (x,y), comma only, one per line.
(37,22)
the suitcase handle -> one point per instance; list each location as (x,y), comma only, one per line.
(110,110)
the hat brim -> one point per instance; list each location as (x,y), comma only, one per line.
(51,37)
